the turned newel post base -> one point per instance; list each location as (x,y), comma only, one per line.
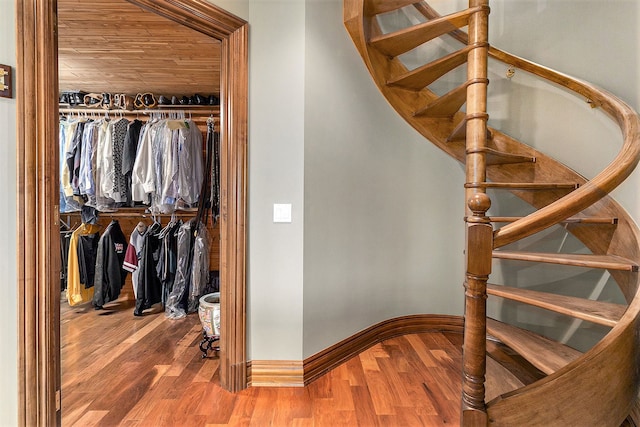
(478,260)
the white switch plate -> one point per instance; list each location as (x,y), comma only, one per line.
(282,212)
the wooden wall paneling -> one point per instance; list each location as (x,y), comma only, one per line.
(37,104)
(119,47)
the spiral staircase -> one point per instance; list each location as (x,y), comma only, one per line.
(564,386)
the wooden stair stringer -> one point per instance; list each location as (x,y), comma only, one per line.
(613,389)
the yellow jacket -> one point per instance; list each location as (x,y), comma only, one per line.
(76,292)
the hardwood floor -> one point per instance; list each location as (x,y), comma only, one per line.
(121,370)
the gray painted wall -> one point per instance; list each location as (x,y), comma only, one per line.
(276,175)
(383,207)
(367,192)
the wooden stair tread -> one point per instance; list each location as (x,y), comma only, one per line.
(573,220)
(524,185)
(602,313)
(543,353)
(611,262)
(423,76)
(399,42)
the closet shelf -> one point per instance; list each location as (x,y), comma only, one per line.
(193,109)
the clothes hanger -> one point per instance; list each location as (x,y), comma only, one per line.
(141,227)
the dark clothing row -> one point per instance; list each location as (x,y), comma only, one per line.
(109,273)
(94,264)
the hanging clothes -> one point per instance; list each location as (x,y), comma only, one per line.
(149,286)
(87,254)
(62,132)
(119,134)
(176,306)
(110,274)
(105,175)
(74,155)
(65,237)
(134,254)
(86,184)
(114,163)
(190,164)
(168,170)
(199,268)
(76,292)
(213,138)
(142,181)
(69,132)
(168,262)
(129,151)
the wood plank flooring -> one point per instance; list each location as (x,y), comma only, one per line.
(121,370)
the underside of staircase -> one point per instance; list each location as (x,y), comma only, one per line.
(565,386)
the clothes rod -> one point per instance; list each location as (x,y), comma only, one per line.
(133,213)
(198,112)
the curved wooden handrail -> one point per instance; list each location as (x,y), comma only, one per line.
(596,188)
(599,186)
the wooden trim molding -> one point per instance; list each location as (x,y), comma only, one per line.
(200,15)
(292,373)
(325,360)
(38,264)
(276,373)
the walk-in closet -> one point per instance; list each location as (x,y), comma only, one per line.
(139,208)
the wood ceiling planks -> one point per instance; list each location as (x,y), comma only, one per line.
(117,47)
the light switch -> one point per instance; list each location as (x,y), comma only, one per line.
(282,212)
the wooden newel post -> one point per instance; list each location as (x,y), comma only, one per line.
(478,261)
(479,230)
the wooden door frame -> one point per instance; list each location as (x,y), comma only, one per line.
(37,204)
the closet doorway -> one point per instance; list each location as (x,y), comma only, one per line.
(39,264)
